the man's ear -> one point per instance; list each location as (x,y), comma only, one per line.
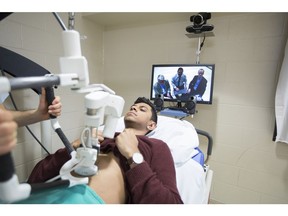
(151,125)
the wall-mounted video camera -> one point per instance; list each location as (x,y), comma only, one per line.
(199,23)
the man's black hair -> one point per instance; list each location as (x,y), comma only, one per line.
(149,103)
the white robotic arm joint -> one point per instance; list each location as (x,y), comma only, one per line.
(106,109)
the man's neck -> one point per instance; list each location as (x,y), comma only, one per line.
(138,132)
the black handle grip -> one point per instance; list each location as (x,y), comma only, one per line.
(50,97)
(6,167)
(64,139)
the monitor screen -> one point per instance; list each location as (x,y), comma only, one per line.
(180,82)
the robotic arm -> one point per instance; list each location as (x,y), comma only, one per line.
(103,107)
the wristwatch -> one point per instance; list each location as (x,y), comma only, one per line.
(137,158)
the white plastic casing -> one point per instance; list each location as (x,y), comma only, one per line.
(73,61)
(88,157)
(4,85)
(107,107)
(12,191)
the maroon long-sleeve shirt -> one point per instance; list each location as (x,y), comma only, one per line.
(151,182)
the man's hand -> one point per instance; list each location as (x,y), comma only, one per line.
(54,109)
(127,143)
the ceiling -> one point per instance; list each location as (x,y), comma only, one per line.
(110,20)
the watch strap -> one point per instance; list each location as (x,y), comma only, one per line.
(130,161)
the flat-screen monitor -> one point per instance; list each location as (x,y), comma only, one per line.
(180,82)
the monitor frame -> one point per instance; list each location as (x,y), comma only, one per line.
(190,70)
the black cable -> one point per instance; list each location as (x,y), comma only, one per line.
(60,21)
(202,42)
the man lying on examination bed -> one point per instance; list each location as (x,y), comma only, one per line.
(119,178)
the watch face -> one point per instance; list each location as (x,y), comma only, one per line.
(137,158)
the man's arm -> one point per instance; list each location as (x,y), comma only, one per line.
(49,167)
(173,83)
(185,81)
(154,180)
(155,87)
(192,83)
(40,114)
(203,86)
(25,117)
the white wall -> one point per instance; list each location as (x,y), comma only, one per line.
(247,50)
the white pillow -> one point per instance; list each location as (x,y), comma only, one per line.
(180,136)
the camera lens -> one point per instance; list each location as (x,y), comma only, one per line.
(198,19)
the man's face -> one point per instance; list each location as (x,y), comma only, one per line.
(180,72)
(139,115)
(200,72)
